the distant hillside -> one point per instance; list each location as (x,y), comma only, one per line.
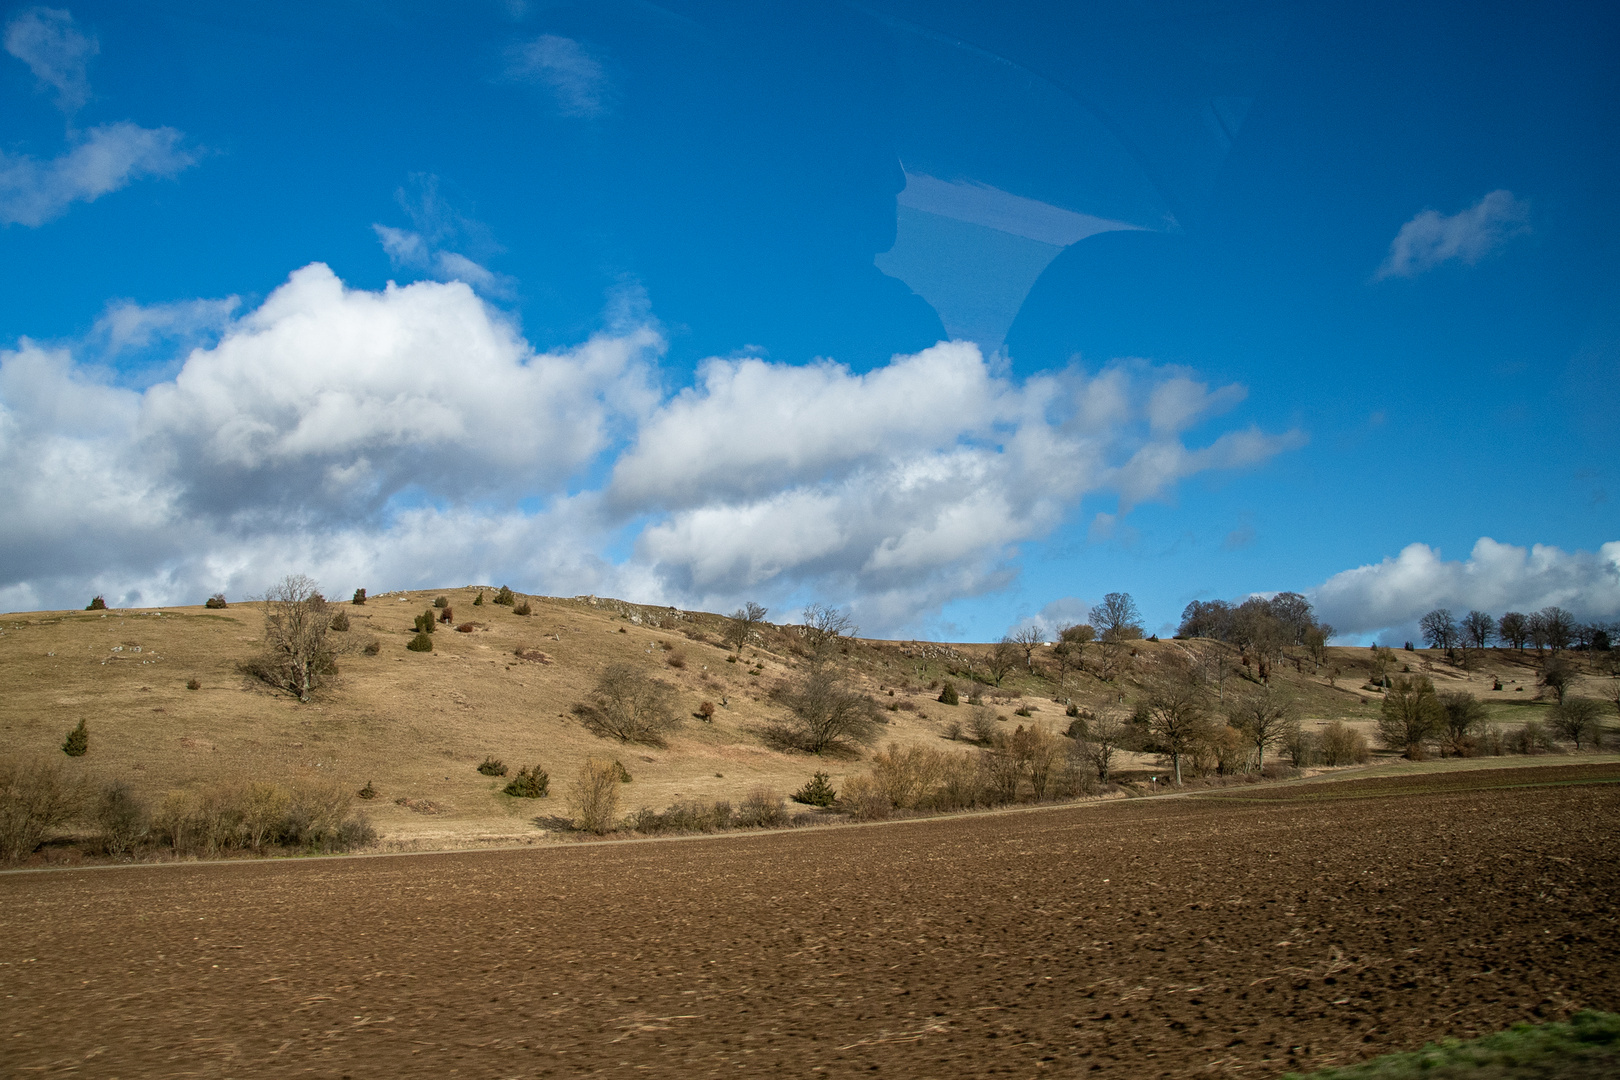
(416,725)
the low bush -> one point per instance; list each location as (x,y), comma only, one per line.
(256,816)
(465,628)
(35,798)
(506,596)
(523,609)
(982,725)
(77,743)
(420,643)
(685,816)
(359,598)
(373,647)
(529,783)
(424,622)
(948,696)
(340,622)
(705,712)
(98,603)
(448,615)
(620,771)
(863,800)
(761,809)
(492,766)
(216,601)
(122,819)
(593,799)
(368,792)
(676,659)
(193,684)
(441,601)
(1340,744)
(1532,738)
(817,791)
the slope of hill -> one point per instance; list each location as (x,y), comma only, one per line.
(416,725)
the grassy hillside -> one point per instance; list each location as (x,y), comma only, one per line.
(416,725)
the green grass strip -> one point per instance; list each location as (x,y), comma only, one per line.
(1585,1048)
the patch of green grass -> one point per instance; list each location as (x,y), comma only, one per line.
(1585,1048)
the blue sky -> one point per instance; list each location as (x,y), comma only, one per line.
(955,314)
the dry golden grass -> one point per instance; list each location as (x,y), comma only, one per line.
(416,725)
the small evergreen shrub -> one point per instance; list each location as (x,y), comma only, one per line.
(448,615)
(99,603)
(340,622)
(359,598)
(77,742)
(373,647)
(506,596)
(948,696)
(478,601)
(705,712)
(368,792)
(620,771)
(441,601)
(193,684)
(216,601)
(530,783)
(1023,710)
(424,622)
(492,766)
(818,791)
(523,609)
(420,643)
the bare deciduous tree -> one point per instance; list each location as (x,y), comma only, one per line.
(1557,675)
(593,797)
(296,623)
(1410,716)
(823,627)
(1099,740)
(629,705)
(1479,629)
(1577,719)
(1070,650)
(743,621)
(826,715)
(1439,629)
(1264,718)
(1174,714)
(1002,660)
(1559,627)
(1028,638)
(1513,629)
(1117,618)
(1463,715)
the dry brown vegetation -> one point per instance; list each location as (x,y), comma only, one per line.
(413,727)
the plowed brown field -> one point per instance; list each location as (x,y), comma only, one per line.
(1167,937)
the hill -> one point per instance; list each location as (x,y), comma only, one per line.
(415,726)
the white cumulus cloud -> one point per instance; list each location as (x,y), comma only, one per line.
(1392,595)
(410,437)
(1432,238)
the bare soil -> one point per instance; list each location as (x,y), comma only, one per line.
(1221,934)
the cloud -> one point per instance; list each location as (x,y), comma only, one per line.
(58,55)
(1432,238)
(103,159)
(1392,595)
(577,80)
(410,437)
(437,225)
(899,489)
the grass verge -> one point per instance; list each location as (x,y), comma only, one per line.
(1587,1046)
